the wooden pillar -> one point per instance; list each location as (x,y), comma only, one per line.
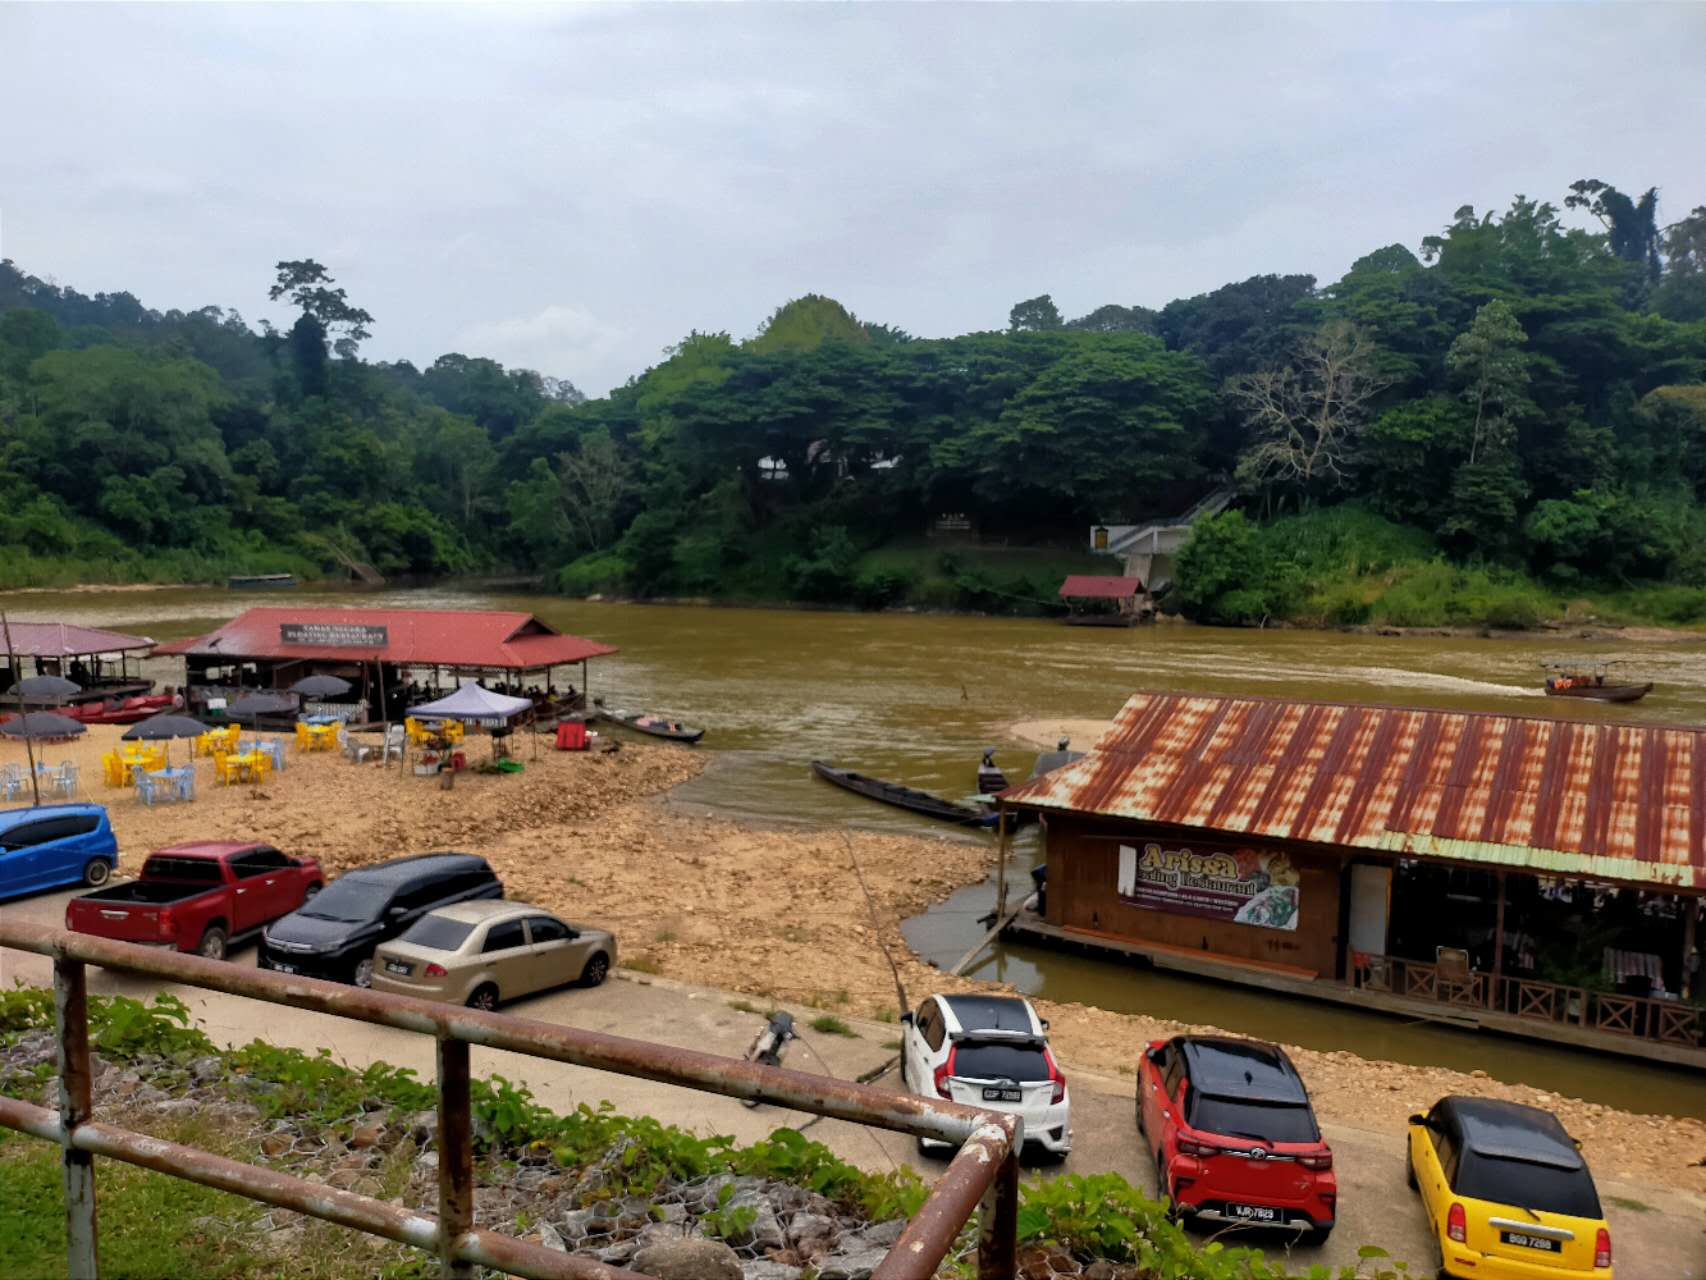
(1498,945)
(1685,979)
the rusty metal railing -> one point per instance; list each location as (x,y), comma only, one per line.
(982,1177)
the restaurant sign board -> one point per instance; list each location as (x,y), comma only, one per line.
(1242,885)
(334,635)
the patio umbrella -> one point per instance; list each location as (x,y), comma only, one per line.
(38,726)
(321,686)
(163,728)
(252,706)
(44,687)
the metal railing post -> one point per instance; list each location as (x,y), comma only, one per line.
(455,1156)
(998,1227)
(71,1014)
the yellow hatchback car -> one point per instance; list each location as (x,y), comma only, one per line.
(478,953)
(1507,1193)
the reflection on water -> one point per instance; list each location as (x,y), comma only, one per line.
(915,698)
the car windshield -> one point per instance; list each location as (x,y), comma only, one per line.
(196,870)
(1242,1118)
(992,1061)
(438,933)
(1528,1185)
(348,900)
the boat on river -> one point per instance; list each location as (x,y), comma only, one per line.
(909,798)
(654,726)
(260,581)
(1575,682)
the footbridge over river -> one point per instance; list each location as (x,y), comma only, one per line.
(1148,549)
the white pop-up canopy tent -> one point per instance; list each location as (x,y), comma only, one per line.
(475,703)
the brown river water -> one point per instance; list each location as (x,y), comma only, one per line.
(916,698)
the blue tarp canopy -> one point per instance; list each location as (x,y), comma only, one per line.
(473,702)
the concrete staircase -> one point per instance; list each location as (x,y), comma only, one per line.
(1148,549)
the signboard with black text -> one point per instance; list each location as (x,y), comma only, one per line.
(1243,886)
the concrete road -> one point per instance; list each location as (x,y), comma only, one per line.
(1659,1233)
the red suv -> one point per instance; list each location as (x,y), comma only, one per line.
(1234,1138)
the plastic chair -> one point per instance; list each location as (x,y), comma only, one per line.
(302,736)
(65,779)
(146,788)
(394,739)
(222,769)
(11,781)
(113,768)
(184,784)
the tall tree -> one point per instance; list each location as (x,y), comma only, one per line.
(1632,225)
(310,287)
(1305,416)
(1489,364)
(1034,315)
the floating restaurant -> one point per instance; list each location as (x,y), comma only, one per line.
(1531,876)
(380,651)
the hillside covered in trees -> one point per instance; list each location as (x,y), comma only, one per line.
(1512,417)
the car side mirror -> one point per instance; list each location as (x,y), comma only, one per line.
(1044,1021)
(1154,1055)
(1421,1119)
(906,1018)
(395,913)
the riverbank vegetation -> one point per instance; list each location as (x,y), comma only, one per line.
(1505,427)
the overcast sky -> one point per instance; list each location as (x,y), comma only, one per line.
(575,188)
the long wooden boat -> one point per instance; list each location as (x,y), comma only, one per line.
(655,726)
(260,581)
(123,710)
(908,798)
(1602,692)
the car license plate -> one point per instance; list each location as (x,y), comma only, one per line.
(1253,1212)
(1002,1095)
(397,966)
(283,968)
(1526,1241)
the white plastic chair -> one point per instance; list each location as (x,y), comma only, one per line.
(11,781)
(65,780)
(394,739)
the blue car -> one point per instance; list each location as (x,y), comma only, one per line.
(53,845)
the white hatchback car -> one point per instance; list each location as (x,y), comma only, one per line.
(988,1051)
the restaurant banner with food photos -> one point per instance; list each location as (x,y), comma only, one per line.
(1243,886)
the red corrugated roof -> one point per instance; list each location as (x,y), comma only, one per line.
(1091,587)
(62,640)
(418,637)
(1612,801)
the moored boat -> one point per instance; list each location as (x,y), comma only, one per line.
(655,726)
(909,798)
(260,581)
(122,710)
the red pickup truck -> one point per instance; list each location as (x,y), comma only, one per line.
(201,897)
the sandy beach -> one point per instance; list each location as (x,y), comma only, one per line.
(766,911)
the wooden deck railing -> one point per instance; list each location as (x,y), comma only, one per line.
(1637,1017)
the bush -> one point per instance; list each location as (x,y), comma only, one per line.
(1229,572)
(828,574)
(595,574)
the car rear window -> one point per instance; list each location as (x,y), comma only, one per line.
(1241,1118)
(438,933)
(1528,1185)
(1022,1062)
(195,870)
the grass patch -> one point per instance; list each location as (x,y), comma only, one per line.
(664,935)
(892,1045)
(1633,1206)
(746,1006)
(886,1014)
(830,1025)
(641,964)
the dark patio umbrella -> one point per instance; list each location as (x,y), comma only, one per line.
(39,726)
(158,728)
(252,706)
(321,686)
(44,687)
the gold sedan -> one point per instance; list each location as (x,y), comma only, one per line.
(478,953)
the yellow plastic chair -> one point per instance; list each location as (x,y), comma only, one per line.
(113,769)
(302,737)
(261,767)
(222,770)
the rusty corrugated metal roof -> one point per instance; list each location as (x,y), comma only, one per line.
(421,637)
(1089,586)
(1613,801)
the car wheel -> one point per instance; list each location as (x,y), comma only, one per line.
(97,873)
(1140,1127)
(595,971)
(483,997)
(363,975)
(212,944)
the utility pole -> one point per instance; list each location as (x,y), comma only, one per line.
(18,682)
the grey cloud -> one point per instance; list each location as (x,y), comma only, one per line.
(577,187)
